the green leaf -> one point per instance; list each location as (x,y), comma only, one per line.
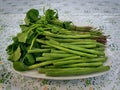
(40,30)
(19,66)
(23,47)
(24,28)
(15,39)
(67,24)
(15,56)
(30,37)
(22,37)
(11,48)
(27,21)
(42,21)
(51,14)
(29,59)
(31,16)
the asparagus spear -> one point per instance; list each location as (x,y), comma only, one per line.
(65,49)
(70,26)
(75,71)
(57,55)
(45,58)
(80,64)
(58,51)
(37,50)
(40,64)
(73,61)
(47,33)
(72,41)
(74,47)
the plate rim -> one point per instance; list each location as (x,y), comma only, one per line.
(43,76)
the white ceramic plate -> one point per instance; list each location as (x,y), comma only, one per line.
(35,74)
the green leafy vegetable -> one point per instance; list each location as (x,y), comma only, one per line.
(22,37)
(29,59)
(31,16)
(57,48)
(24,28)
(15,56)
(51,15)
(19,66)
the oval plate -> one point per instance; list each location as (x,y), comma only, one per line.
(35,74)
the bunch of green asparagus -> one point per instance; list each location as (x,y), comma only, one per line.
(57,48)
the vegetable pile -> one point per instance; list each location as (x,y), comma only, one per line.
(57,48)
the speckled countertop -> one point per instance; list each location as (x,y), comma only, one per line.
(104,14)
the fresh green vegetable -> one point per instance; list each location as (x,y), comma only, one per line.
(37,50)
(75,71)
(15,56)
(66,36)
(40,64)
(72,61)
(57,48)
(72,41)
(19,66)
(44,58)
(82,46)
(65,49)
(29,59)
(58,51)
(79,64)
(56,58)
(75,47)
(31,16)
(67,59)
(51,15)
(22,37)
(57,55)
